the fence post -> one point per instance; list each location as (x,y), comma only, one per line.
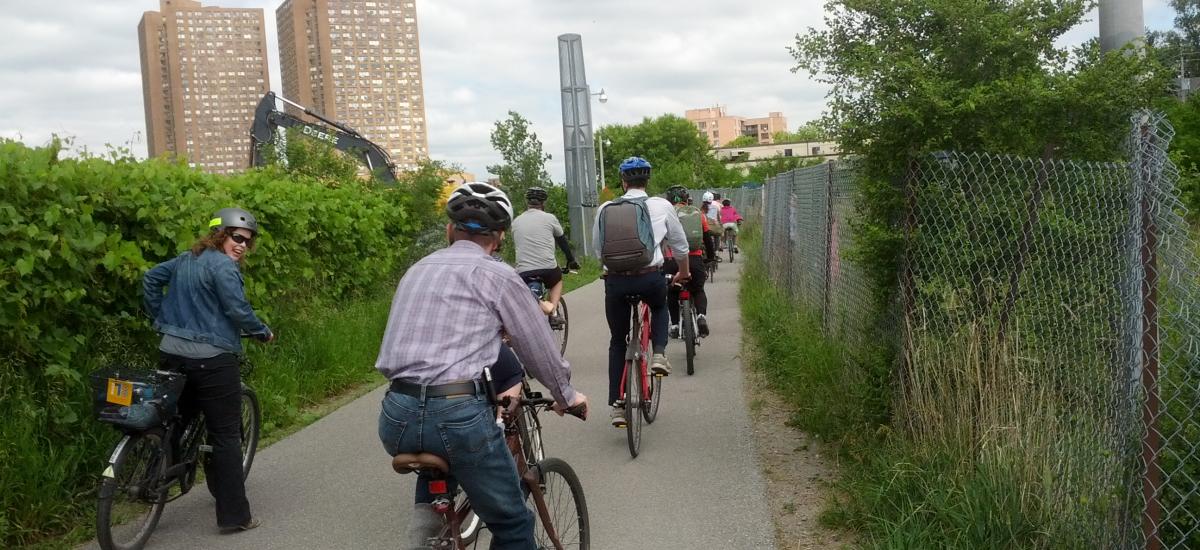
(828,243)
(907,284)
(1152,441)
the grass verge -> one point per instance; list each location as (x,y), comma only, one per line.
(896,489)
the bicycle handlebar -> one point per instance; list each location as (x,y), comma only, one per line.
(579,411)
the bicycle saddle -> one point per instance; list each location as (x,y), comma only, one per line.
(407,463)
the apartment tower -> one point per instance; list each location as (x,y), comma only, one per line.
(358,62)
(204,69)
(721,128)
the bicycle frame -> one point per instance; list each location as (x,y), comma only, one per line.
(443,503)
(639,325)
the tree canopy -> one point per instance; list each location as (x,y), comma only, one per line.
(524,159)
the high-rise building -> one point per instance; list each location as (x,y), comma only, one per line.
(358,62)
(204,70)
(721,129)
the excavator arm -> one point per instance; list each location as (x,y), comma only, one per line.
(267,118)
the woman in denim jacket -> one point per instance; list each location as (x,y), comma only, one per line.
(198,303)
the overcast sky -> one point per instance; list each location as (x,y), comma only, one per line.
(70,67)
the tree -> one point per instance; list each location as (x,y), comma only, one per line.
(809,131)
(678,151)
(742,141)
(915,76)
(524,160)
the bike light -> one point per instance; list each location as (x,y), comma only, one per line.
(437,486)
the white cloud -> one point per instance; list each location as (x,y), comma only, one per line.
(71,67)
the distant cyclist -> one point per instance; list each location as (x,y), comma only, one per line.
(712,235)
(535,233)
(730,220)
(695,226)
(630,232)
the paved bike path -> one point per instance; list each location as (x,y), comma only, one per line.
(696,483)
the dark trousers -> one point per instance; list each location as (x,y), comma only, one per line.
(710,247)
(695,286)
(214,387)
(652,287)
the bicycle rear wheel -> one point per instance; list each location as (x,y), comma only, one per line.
(560,327)
(131,499)
(653,398)
(633,406)
(565,506)
(689,334)
(729,244)
(251,426)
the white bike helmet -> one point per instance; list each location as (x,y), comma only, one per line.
(477,207)
(707,197)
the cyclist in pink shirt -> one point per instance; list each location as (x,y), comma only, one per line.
(730,220)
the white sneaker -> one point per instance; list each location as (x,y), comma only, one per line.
(660,365)
(617,416)
(674,332)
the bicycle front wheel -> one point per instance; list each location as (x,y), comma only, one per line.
(251,425)
(560,325)
(565,506)
(131,496)
(689,334)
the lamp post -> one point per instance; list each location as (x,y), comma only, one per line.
(603,97)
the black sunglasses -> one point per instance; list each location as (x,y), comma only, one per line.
(241,239)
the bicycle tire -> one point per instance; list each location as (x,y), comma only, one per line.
(468,528)
(136,468)
(530,429)
(729,244)
(562,332)
(689,334)
(567,509)
(653,383)
(633,405)
(251,426)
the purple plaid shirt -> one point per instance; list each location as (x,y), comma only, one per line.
(446,318)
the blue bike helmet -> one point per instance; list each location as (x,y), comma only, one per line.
(635,168)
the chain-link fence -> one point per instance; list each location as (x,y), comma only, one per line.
(1046,319)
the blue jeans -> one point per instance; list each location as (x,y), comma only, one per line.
(463,430)
(652,287)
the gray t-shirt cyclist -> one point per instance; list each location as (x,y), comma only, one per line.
(533,235)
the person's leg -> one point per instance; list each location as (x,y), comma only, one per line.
(671,268)
(616,310)
(400,431)
(696,284)
(218,388)
(465,431)
(653,289)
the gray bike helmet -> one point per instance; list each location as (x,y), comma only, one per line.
(536,195)
(233,217)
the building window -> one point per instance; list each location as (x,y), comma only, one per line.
(816,150)
(787,152)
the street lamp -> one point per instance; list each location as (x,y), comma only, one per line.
(603,97)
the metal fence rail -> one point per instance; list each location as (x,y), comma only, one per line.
(1047,322)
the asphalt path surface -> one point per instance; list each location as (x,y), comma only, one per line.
(695,485)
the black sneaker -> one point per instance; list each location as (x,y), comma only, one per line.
(702,326)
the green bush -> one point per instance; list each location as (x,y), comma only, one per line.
(77,235)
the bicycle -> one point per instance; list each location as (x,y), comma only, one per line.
(561,518)
(558,320)
(640,390)
(688,331)
(146,468)
(710,265)
(730,242)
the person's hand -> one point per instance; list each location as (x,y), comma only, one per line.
(681,278)
(580,404)
(573,266)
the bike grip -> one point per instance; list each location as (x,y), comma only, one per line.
(579,411)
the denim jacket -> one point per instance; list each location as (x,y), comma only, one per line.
(205,301)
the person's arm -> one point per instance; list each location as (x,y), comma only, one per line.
(596,230)
(232,294)
(532,339)
(560,238)
(153,284)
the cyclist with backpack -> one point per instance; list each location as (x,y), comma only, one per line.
(695,226)
(535,233)
(629,233)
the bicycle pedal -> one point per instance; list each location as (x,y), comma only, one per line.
(205,448)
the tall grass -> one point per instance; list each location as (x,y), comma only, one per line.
(984,448)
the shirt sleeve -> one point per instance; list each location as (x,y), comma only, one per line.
(231,291)
(532,339)
(153,284)
(596,230)
(556,226)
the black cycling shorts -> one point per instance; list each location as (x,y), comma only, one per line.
(550,277)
